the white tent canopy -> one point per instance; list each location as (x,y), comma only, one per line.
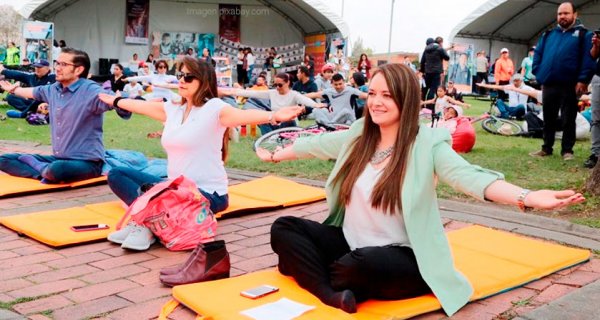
(98,26)
(516,24)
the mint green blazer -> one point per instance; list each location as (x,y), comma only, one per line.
(431,156)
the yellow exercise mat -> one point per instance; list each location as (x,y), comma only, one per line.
(54,227)
(15,186)
(493,261)
(269,192)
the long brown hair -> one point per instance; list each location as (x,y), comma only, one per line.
(205,73)
(404,89)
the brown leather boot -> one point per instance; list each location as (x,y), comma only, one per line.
(179,267)
(210,263)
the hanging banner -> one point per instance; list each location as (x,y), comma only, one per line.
(136,21)
(316,47)
(291,54)
(461,66)
(170,45)
(229,21)
(38,37)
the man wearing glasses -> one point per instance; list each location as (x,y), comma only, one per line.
(76,124)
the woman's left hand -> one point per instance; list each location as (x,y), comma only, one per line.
(287,113)
(549,199)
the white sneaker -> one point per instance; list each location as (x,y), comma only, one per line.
(120,235)
(140,239)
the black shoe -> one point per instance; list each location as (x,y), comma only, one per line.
(590,163)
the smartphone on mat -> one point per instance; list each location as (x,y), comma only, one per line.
(259,291)
(89,227)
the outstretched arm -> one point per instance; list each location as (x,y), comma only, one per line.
(531,93)
(456,102)
(233,117)
(490,86)
(152,109)
(503,192)
(15,89)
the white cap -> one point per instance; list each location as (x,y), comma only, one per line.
(458,109)
(503,50)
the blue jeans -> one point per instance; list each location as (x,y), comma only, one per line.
(50,168)
(126,183)
(507,112)
(266,128)
(19,103)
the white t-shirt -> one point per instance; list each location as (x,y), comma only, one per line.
(194,146)
(251,59)
(133,91)
(155,78)
(365,226)
(278,101)
(441,103)
(515,98)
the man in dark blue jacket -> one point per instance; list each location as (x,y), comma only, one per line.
(40,76)
(562,64)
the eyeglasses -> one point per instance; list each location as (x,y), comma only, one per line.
(279,85)
(187,77)
(63,64)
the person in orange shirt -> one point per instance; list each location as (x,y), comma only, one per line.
(503,71)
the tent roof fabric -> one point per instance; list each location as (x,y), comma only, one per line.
(309,16)
(519,21)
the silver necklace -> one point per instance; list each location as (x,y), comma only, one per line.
(380,156)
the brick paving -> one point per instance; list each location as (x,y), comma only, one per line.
(102,281)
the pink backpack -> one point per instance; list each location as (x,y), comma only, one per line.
(176,212)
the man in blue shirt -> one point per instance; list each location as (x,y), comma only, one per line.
(562,64)
(304,84)
(76,117)
(41,76)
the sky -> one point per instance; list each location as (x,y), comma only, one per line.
(414,21)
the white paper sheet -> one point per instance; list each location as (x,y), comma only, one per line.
(283,309)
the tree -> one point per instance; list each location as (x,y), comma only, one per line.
(592,184)
(10,28)
(358,49)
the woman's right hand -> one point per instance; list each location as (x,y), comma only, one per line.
(108,98)
(288,113)
(264,155)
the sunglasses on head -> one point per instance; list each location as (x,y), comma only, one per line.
(279,85)
(187,77)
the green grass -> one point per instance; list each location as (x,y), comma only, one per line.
(508,155)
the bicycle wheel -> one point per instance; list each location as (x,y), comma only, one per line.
(328,127)
(280,138)
(501,126)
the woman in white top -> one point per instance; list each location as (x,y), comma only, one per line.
(279,97)
(240,67)
(250,64)
(159,80)
(195,139)
(384,238)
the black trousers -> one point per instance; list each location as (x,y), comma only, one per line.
(241,74)
(481,76)
(320,260)
(563,98)
(432,82)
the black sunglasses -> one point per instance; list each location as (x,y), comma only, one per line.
(187,77)
(279,85)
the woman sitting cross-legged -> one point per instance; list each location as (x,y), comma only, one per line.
(384,238)
(195,140)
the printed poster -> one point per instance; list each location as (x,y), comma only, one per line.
(137,14)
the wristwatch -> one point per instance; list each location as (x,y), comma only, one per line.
(521,200)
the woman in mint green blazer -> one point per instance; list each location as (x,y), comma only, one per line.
(384,238)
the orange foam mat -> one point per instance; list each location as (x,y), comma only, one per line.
(15,186)
(54,227)
(493,261)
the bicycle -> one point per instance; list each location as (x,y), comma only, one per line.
(284,137)
(496,125)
